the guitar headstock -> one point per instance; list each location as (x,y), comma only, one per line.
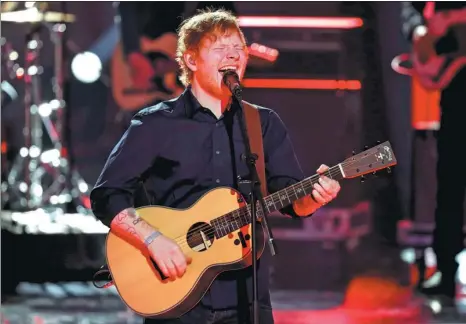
(376,158)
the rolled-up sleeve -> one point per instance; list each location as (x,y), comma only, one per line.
(281,163)
(126,165)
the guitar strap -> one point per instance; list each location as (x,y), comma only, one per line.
(254,128)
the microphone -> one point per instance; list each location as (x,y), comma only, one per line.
(231,80)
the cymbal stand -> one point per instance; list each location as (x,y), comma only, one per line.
(33,162)
(75,187)
(27,163)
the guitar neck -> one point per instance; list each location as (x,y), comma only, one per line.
(233,221)
(287,196)
(371,160)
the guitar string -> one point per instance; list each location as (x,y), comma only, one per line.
(242,214)
(245,210)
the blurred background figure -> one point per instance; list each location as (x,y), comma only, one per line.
(436,32)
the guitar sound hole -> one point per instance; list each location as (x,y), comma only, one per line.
(200,237)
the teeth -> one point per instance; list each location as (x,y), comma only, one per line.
(228,68)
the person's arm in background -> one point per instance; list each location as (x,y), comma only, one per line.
(142,69)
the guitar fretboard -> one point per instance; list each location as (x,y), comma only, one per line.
(238,218)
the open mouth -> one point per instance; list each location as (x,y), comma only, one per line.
(227,67)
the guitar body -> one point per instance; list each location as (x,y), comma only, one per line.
(140,284)
(126,95)
(437,71)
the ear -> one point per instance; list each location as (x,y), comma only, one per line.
(190,60)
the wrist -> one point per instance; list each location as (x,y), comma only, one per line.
(306,205)
(151,237)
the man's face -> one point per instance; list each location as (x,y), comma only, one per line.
(214,54)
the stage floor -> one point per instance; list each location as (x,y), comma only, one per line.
(42,304)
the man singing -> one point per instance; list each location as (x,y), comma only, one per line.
(182,148)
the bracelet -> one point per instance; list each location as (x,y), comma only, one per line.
(151,237)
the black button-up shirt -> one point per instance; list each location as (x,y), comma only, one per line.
(179,151)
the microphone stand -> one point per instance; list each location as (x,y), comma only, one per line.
(255,196)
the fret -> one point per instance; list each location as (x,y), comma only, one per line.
(288,196)
(213,223)
(277,196)
(295,193)
(221,229)
(266,205)
(312,182)
(283,198)
(303,188)
(329,173)
(270,203)
(243,218)
(236,215)
(218,229)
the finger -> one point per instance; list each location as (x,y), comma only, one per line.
(163,267)
(179,260)
(323,193)
(180,264)
(171,268)
(324,188)
(318,197)
(332,187)
(322,168)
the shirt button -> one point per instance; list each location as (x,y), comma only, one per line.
(217,152)
(218,180)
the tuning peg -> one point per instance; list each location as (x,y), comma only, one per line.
(389,170)
(375,174)
(363,178)
(378,142)
(366,147)
(354,153)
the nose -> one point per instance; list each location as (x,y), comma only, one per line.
(233,53)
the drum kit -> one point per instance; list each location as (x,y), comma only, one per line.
(41,175)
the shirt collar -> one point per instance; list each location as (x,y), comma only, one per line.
(192,102)
(193,106)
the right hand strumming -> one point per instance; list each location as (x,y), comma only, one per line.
(169,257)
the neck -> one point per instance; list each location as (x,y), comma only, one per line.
(215,104)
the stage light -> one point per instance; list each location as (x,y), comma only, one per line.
(86,67)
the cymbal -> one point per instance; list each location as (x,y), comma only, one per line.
(32,15)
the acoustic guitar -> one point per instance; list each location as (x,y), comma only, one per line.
(161,51)
(166,85)
(216,233)
(435,69)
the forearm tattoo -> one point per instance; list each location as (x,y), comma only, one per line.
(130,214)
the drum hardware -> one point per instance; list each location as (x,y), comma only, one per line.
(42,177)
